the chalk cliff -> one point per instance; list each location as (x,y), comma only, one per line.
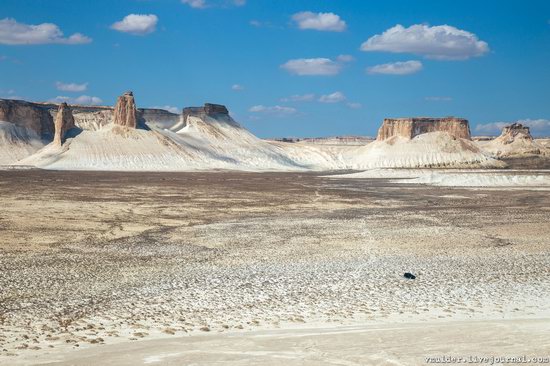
(208,109)
(64,121)
(125,113)
(33,116)
(515,141)
(39,117)
(411,127)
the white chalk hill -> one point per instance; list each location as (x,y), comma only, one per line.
(207,143)
(218,142)
(516,141)
(428,150)
(17,142)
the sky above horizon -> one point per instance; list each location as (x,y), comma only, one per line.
(300,68)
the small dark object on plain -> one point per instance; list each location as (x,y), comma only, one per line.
(409,275)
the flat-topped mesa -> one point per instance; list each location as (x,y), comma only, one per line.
(414,126)
(125,113)
(64,121)
(515,131)
(208,109)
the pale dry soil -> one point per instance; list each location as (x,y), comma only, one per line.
(259,268)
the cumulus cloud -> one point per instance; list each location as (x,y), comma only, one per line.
(275,110)
(82,100)
(168,108)
(345,58)
(354,105)
(312,66)
(540,127)
(14,33)
(71,87)
(197,4)
(396,68)
(335,97)
(442,42)
(237,87)
(299,98)
(438,99)
(137,24)
(328,22)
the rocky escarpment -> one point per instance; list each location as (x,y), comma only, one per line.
(209,113)
(17,142)
(64,121)
(92,118)
(333,140)
(157,117)
(411,127)
(514,132)
(125,113)
(33,116)
(208,109)
(40,117)
(515,141)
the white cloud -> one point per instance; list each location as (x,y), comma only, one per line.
(354,105)
(12,97)
(9,94)
(82,100)
(263,24)
(442,42)
(71,87)
(168,108)
(137,24)
(312,66)
(396,68)
(335,97)
(539,127)
(203,4)
(299,98)
(329,22)
(275,110)
(438,99)
(14,33)
(197,4)
(237,87)
(345,58)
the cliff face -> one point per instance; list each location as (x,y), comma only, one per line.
(36,117)
(515,141)
(411,127)
(515,131)
(125,113)
(39,117)
(158,117)
(64,121)
(208,109)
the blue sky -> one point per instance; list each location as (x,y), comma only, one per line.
(288,68)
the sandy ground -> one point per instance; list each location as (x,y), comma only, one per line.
(489,178)
(95,266)
(404,344)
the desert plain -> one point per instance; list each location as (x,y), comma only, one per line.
(125,268)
